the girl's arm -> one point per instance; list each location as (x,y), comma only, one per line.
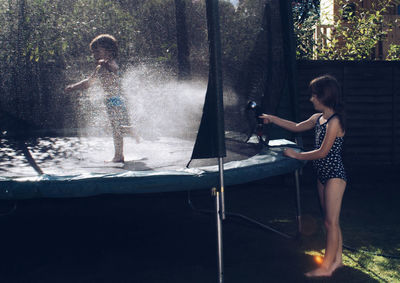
(289,125)
(332,129)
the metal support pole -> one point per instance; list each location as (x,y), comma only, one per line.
(221,184)
(298,208)
(218,219)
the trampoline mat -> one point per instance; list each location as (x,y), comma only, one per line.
(79,155)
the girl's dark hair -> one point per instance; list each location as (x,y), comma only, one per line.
(327,90)
(107,42)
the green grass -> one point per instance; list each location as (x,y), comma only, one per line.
(369,222)
(369,218)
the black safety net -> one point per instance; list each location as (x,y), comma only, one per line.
(181,103)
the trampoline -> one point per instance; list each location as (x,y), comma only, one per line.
(35,167)
(75,167)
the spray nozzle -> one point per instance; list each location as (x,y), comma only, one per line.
(252,105)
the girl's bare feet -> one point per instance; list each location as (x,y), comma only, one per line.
(337,264)
(323,271)
(319,272)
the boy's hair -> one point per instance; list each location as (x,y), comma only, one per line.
(107,42)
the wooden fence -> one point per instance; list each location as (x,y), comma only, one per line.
(371,92)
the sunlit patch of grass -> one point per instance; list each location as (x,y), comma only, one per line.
(378,267)
(315,253)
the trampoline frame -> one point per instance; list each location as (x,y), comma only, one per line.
(225,214)
(221,215)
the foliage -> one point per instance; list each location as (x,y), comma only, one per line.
(45,43)
(302,9)
(393,52)
(60,31)
(355,32)
(305,18)
(239,29)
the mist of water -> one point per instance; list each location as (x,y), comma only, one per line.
(159,105)
(162,106)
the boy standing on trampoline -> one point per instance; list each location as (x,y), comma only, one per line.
(105,50)
(327,161)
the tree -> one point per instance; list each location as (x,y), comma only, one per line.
(356,33)
(45,45)
(305,19)
(182,40)
(303,9)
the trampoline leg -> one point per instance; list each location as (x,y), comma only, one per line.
(221,184)
(218,218)
(298,208)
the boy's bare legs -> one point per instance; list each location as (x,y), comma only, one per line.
(128,130)
(331,200)
(118,147)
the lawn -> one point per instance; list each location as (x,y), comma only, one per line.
(158,238)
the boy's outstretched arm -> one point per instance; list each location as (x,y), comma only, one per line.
(83,84)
